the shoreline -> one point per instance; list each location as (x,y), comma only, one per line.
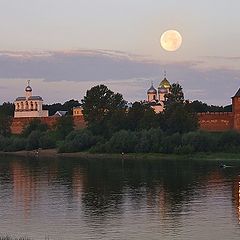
(52,153)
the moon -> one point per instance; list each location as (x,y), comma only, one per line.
(171,40)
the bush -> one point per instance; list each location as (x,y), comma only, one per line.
(78,141)
(200,141)
(2,142)
(230,141)
(98,148)
(64,126)
(6,144)
(46,142)
(187,149)
(18,144)
(169,143)
(143,144)
(155,138)
(33,140)
(35,125)
(122,141)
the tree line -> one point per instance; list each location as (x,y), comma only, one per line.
(112,127)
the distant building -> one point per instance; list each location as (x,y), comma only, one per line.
(29,106)
(156,98)
(60,113)
(77,111)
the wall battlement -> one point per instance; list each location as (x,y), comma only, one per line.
(216,122)
(222,121)
(18,124)
(215,113)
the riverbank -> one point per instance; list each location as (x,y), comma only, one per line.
(52,153)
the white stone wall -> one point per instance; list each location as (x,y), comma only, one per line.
(21,114)
(157,108)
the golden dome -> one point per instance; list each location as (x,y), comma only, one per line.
(164,84)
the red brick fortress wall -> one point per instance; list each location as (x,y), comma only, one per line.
(216,121)
(18,124)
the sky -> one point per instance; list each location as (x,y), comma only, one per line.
(67,46)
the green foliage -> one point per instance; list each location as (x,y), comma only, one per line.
(64,126)
(34,125)
(18,144)
(2,142)
(122,141)
(12,144)
(178,115)
(7,109)
(33,140)
(46,141)
(78,141)
(98,104)
(149,141)
(170,142)
(198,106)
(230,141)
(177,118)
(115,122)
(200,141)
(175,95)
(5,123)
(186,149)
(141,116)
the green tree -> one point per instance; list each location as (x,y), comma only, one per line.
(98,104)
(33,140)
(141,116)
(175,95)
(7,109)
(115,122)
(178,117)
(64,126)
(5,123)
(34,125)
(122,141)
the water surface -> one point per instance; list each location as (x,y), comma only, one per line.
(119,199)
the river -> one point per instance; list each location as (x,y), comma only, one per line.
(70,198)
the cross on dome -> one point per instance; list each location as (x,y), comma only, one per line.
(28,88)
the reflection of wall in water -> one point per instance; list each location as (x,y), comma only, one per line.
(236,197)
(24,187)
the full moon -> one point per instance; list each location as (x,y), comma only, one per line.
(171,40)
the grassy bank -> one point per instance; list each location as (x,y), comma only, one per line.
(52,153)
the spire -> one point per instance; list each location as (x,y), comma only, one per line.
(165,73)
(28,83)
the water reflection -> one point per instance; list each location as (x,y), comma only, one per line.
(93,197)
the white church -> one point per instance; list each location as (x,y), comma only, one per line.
(157,97)
(29,106)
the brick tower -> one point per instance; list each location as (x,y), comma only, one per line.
(236,110)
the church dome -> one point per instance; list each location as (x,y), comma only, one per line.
(152,90)
(28,89)
(162,90)
(164,84)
